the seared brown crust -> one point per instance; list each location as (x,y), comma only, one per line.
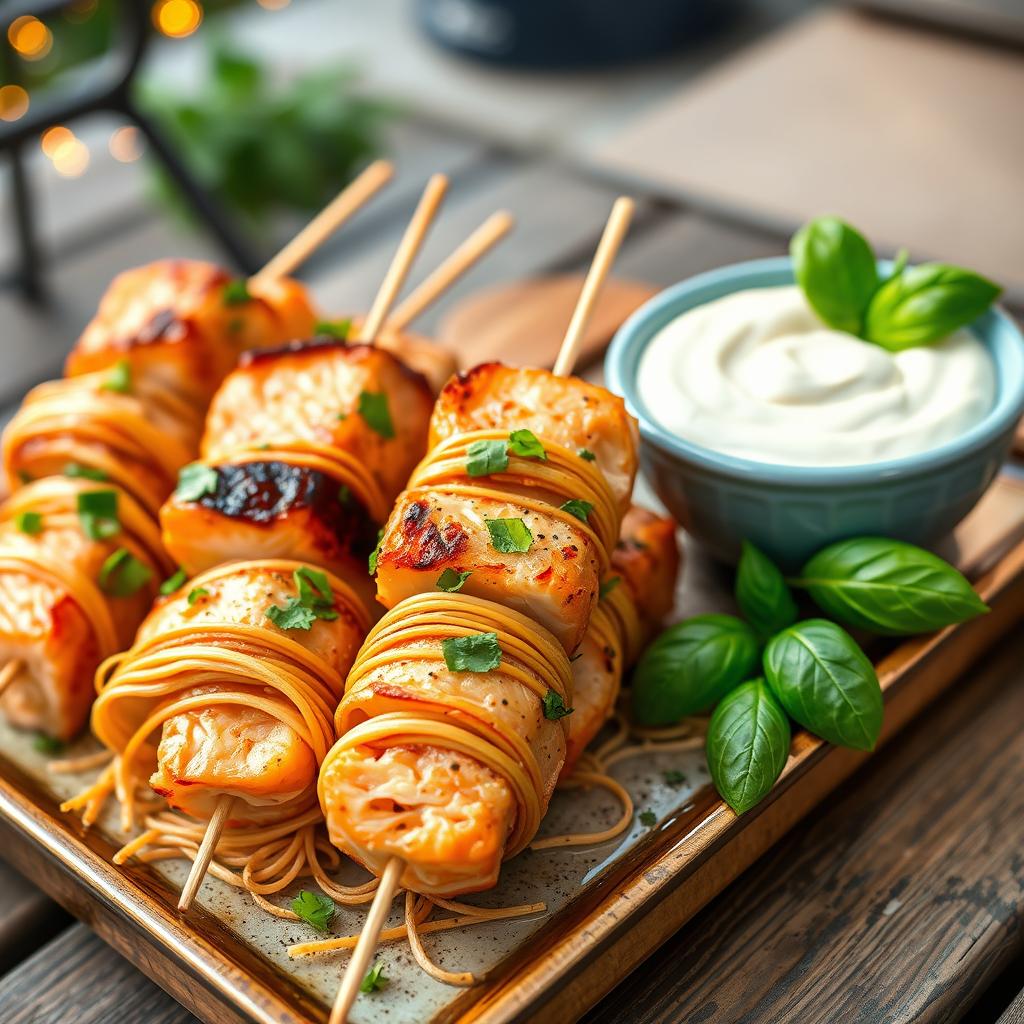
(424,545)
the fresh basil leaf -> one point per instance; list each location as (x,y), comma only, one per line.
(339,329)
(97,513)
(826,683)
(925,304)
(451,581)
(526,445)
(691,666)
(173,583)
(577,507)
(554,706)
(478,652)
(747,744)
(762,594)
(836,269)
(119,379)
(123,575)
(511,536)
(888,587)
(314,908)
(236,293)
(195,481)
(375,979)
(486,457)
(29,522)
(373,407)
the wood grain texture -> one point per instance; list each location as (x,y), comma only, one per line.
(900,902)
(1014,1013)
(76,979)
(27,918)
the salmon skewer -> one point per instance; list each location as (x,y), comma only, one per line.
(130,412)
(513,517)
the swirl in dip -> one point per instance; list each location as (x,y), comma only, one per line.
(758,375)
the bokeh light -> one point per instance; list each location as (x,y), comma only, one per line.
(177,18)
(29,37)
(71,158)
(53,138)
(125,144)
(273,5)
(13,102)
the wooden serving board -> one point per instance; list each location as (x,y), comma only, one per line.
(609,906)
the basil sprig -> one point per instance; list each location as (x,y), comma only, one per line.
(692,665)
(826,683)
(747,744)
(836,268)
(888,587)
(762,593)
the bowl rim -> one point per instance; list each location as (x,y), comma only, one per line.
(636,333)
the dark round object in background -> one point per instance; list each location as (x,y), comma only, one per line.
(568,34)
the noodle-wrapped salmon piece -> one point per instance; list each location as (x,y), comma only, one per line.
(183,323)
(305,449)
(68,599)
(222,695)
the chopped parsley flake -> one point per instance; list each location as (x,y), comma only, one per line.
(314,908)
(374,980)
(236,293)
(339,329)
(293,614)
(586,454)
(554,706)
(373,407)
(74,469)
(97,513)
(315,600)
(29,522)
(197,594)
(479,652)
(674,777)
(578,508)
(372,561)
(486,457)
(175,582)
(196,480)
(344,494)
(47,744)
(526,445)
(120,378)
(509,535)
(451,581)
(608,586)
(123,575)
(648,819)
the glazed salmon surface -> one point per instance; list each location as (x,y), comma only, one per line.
(310,392)
(566,410)
(175,323)
(43,626)
(445,814)
(554,583)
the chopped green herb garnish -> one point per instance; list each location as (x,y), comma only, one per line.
(342,416)
(554,706)
(509,535)
(674,777)
(236,292)
(451,581)
(586,454)
(26,478)
(293,614)
(374,979)
(74,469)
(120,378)
(372,561)
(315,600)
(197,594)
(123,575)
(334,329)
(578,508)
(373,407)
(47,744)
(344,494)
(314,908)
(526,445)
(486,457)
(478,652)
(29,522)
(97,512)
(648,819)
(196,480)
(175,582)
(235,325)
(607,586)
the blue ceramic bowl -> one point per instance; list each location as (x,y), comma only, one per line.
(792,511)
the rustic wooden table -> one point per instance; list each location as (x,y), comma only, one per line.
(901,899)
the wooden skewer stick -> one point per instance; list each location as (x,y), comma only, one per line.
(326,222)
(405,254)
(8,673)
(472,249)
(367,944)
(206,850)
(607,248)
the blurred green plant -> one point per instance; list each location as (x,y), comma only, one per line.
(260,147)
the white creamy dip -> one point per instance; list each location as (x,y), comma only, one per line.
(758,375)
